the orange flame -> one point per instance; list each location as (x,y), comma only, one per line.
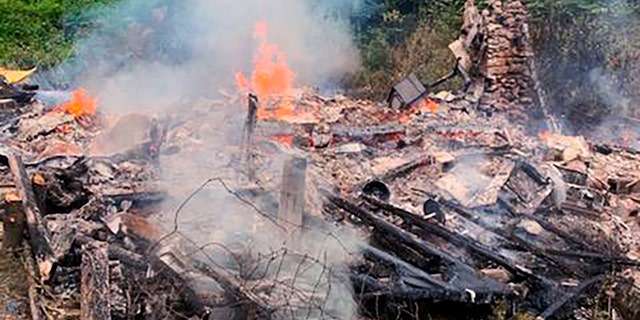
(424,105)
(271,79)
(81,104)
(428,105)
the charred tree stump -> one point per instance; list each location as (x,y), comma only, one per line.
(39,235)
(94,283)
(292,193)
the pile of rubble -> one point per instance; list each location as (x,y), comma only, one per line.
(442,202)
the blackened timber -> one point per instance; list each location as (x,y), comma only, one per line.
(569,297)
(475,296)
(458,240)
(94,282)
(392,231)
(34,302)
(404,268)
(462,272)
(39,235)
(539,252)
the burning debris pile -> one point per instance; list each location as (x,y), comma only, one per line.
(342,208)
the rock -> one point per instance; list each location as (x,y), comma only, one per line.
(531,227)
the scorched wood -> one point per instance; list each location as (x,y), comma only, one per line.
(291,209)
(94,282)
(460,241)
(40,238)
(249,128)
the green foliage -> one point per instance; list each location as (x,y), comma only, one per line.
(397,38)
(571,39)
(39,31)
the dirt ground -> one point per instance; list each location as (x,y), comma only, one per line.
(14,302)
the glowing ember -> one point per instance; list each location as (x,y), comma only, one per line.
(286,140)
(428,105)
(424,105)
(81,104)
(544,135)
(272,80)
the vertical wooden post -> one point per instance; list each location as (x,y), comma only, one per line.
(39,235)
(12,222)
(94,282)
(247,139)
(292,193)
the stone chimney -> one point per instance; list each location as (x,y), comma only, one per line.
(506,63)
(494,47)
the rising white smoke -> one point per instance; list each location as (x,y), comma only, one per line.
(151,54)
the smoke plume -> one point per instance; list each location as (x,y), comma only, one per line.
(152,54)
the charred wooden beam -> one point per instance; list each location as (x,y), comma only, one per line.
(39,235)
(560,266)
(452,267)
(94,282)
(459,240)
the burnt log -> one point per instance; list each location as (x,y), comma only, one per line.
(39,235)
(94,282)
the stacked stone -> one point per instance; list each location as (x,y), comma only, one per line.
(506,62)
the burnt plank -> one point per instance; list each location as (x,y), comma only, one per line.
(39,236)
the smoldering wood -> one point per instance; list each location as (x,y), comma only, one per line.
(461,274)
(460,241)
(39,235)
(233,285)
(292,193)
(94,282)
(564,267)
